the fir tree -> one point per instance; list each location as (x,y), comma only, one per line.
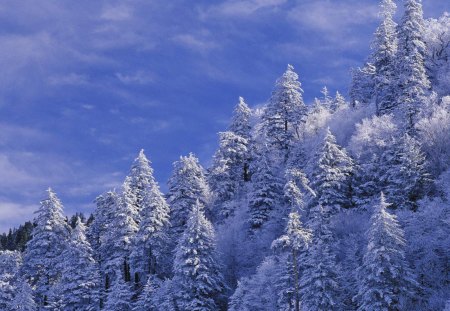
(79,285)
(413,82)
(332,175)
(10,262)
(362,85)
(384,49)
(198,279)
(42,258)
(285,113)
(23,299)
(119,295)
(319,281)
(146,301)
(186,185)
(386,280)
(240,122)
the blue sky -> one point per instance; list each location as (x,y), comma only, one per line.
(86,84)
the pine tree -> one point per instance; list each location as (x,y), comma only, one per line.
(119,295)
(386,280)
(79,285)
(240,123)
(146,301)
(42,258)
(23,299)
(285,112)
(10,262)
(147,256)
(338,102)
(198,278)
(292,242)
(267,192)
(362,85)
(383,56)
(320,278)
(186,185)
(228,173)
(413,81)
(332,175)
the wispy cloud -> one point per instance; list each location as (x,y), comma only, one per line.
(241,8)
(139,77)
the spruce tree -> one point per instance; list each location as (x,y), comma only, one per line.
(146,301)
(362,86)
(10,262)
(80,281)
(119,295)
(285,113)
(332,175)
(413,82)
(42,258)
(186,185)
(240,122)
(386,280)
(320,288)
(23,298)
(383,56)
(198,281)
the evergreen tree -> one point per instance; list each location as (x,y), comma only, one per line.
(383,58)
(362,85)
(147,256)
(10,262)
(332,175)
(23,299)
(146,301)
(42,258)
(119,295)
(319,281)
(413,82)
(386,280)
(228,173)
(267,191)
(285,112)
(240,122)
(338,102)
(198,279)
(292,242)
(79,285)
(186,185)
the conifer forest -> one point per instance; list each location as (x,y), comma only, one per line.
(339,204)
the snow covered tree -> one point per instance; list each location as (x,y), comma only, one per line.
(23,298)
(320,288)
(383,56)
(386,280)
(362,86)
(149,243)
(119,295)
(267,191)
(228,173)
(42,258)
(186,185)
(146,301)
(413,82)
(116,243)
(198,282)
(291,243)
(240,122)
(332,175)
(338,103)
(10,262)
(285,112)
(80,281)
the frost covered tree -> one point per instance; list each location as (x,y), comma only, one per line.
(386,280)
(119,295)
(413,82)
(383,56)
(80,281)
(116,244)
(42,258)
(362,85)
(186,185)
(23,298)
(228,173)
(295,239)
(240,122)
(285,113)
(267,191)
(320,288)
(332,175)
(10,262)
(338,102)
(146,301)
(198,282)
(147,255)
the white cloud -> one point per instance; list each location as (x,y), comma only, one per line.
(241,8)
(69,79)
(196,42)
(139,77)
(117,13)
